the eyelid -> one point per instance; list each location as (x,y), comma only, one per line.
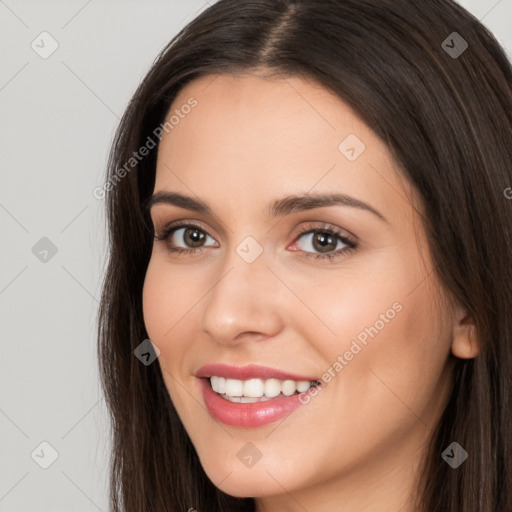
(159,213)
(166,227)
(312,226)
(308,227)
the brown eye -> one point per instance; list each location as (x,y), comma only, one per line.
(320,241)
(185,237)
(193,237)
(324,242)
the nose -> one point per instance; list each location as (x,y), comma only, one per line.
(246,302)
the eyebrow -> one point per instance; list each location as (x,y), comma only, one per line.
(279,207)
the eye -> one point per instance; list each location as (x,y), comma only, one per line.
(327,240)
(191,236)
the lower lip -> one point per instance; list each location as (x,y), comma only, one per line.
(248,415)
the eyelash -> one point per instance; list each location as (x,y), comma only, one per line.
(325,228)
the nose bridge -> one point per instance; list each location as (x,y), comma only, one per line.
(243,297)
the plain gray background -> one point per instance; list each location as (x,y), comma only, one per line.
(58,116)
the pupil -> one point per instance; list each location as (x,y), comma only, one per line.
(322,241)
(195,237)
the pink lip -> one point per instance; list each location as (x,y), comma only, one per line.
(252,371)
(251,415)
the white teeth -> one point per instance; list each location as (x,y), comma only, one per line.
(255,390)
(272,387)
(234,387)
(303,385)
(218,384)
(288,387)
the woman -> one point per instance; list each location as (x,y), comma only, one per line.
(309,219)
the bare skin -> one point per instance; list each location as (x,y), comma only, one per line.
(357,445)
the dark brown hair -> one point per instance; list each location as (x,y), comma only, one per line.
(447,119)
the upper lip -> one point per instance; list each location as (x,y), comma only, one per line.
(251,371)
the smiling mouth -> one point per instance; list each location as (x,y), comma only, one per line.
(257,390)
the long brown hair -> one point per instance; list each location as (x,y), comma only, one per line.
(445,112)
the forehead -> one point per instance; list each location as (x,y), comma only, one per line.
(254,138)
(270,113)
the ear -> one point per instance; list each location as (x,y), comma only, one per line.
(464,342)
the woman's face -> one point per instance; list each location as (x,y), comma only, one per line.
(341,291)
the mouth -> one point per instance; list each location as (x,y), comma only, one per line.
(252,396)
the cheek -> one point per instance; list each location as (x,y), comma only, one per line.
(359,302)
(167,306)
(383,335)
(167,299)
(386,374)
(165,318)
(398,370)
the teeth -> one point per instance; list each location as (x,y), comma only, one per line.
(272,387)
(234,387)
(254,389)
(303,385)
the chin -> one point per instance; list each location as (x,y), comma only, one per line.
(241,482)
(234,486)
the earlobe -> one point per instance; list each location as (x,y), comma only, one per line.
(465,343)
